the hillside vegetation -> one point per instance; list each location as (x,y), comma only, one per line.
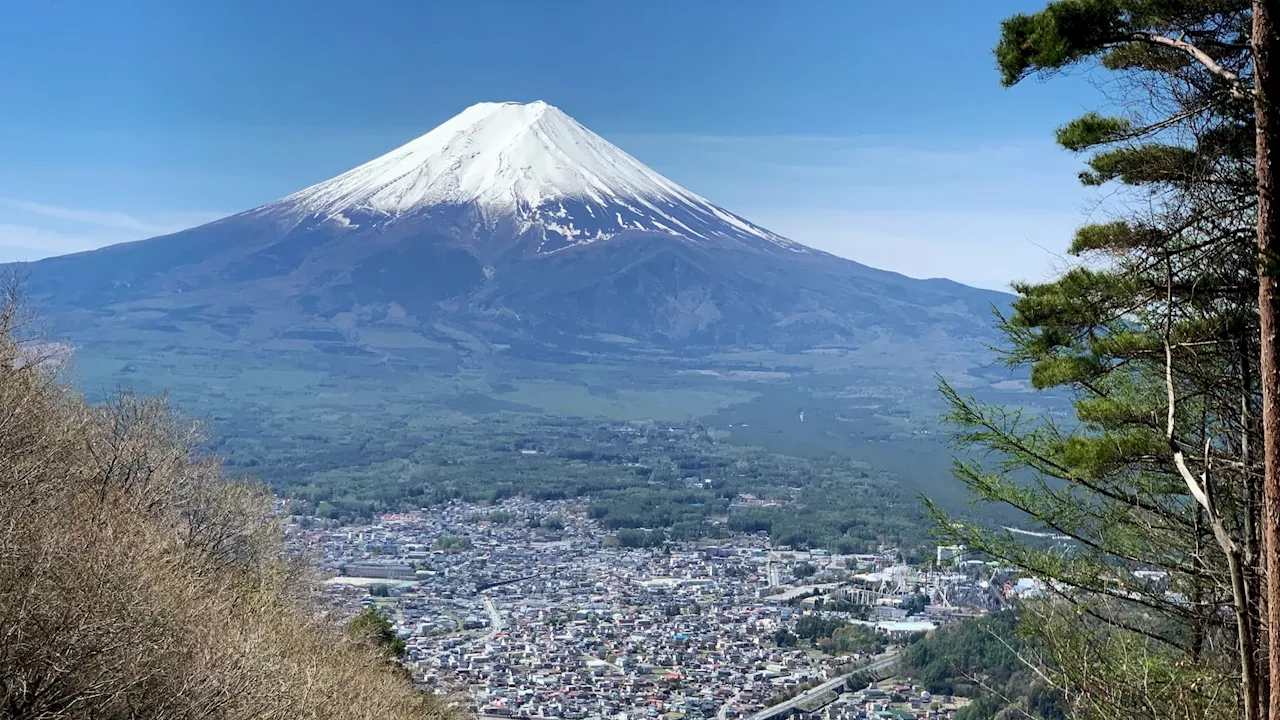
(137,581)
(979,659)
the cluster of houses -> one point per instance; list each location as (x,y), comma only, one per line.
(529,611)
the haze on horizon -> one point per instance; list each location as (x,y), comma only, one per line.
(941,173)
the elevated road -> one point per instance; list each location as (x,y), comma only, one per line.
(785,708)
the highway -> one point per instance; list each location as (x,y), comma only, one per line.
(883,663)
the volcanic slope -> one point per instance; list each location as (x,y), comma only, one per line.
(509,224)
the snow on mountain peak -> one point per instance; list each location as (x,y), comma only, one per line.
(530,162)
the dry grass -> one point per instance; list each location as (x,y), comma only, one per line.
(137,582)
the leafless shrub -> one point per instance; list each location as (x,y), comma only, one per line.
(137,581)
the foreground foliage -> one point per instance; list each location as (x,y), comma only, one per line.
(136,581)
(1153,606)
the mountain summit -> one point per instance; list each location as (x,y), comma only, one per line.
(527,164)
(509,226)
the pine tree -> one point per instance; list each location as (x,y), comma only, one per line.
(1164,337)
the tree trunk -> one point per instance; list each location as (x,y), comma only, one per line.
(1257,700)
(1265,79)
(1244,629)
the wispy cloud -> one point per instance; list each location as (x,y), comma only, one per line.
(24,242)
(970,209)
(101,218)
(32,230)
(988,250)
(165,223)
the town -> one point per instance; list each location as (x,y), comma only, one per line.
(531,609)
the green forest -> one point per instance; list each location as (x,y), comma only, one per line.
(681,484)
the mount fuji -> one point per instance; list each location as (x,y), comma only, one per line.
(555,183)
(509,226)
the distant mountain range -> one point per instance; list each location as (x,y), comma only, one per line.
(509,225)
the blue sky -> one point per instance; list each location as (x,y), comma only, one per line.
(873,133)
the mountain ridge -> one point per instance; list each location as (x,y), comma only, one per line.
(508,223)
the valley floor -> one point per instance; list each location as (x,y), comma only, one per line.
(534,610)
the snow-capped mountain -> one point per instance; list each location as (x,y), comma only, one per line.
(509,225)
(527,165)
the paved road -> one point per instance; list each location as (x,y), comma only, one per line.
(614,666)
(496,623)
(883,663)
(724,709)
